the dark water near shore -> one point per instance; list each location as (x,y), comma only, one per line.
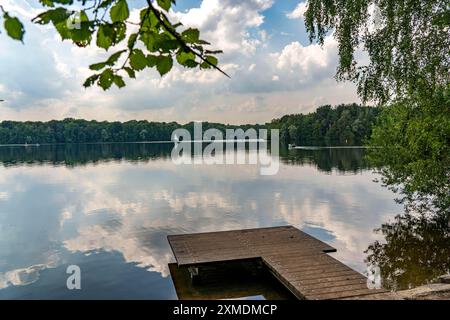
(109,208)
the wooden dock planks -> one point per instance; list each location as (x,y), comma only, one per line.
(299,261)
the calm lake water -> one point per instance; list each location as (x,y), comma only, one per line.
(109,208)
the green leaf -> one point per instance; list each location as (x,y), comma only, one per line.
(130,72)
(164,64)
(186,59)
(111,61)
(104,37)
(191,64)
(106,3)
(120,11)
(114,57)
(110,34)
(82,36)
(182,56)
(47,3)
(150,20)
(132,40)
(97,66)
(62,29)
(148,38)
(167,45)
(55,15)
(212,62)
(91,80)
(190,35)
(138,60)
(120,30)
(14,28)
(78,28)
(106,79)
(165,4)
(203,42)
(51,3)
(118,81)
(152,60)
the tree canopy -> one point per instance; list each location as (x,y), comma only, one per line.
(413,154)
(154,41)
(407,42)
(82,131)
(345,124)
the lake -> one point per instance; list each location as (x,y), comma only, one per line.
(109,207)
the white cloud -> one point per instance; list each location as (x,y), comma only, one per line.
(226,23)
(298,12)
(61,67)
(307,59)
(195,76)
(21,7)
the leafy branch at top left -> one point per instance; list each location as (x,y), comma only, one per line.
(14,28)
(151,42)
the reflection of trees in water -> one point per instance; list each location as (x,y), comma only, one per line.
(79,154)
(417,250)
(344,160)
(417,242)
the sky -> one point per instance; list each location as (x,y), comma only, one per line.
(274,69)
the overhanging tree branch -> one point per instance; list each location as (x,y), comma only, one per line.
(177,36)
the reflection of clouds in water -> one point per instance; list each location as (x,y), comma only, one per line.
(25,276)
(148,253)
(29,226)
(349,207)
(193,200)
(131,208)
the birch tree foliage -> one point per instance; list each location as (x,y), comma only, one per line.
(154,41)
(407,42)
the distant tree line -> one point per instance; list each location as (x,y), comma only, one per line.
(344,124)
(83,131)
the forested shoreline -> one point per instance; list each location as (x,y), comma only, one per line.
(343,124)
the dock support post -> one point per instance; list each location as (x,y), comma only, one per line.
(193,272)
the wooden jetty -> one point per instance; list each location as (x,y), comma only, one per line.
(299,261)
